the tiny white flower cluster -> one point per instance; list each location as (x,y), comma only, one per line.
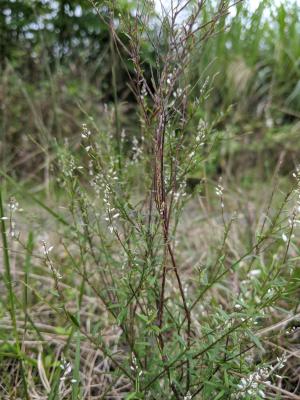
(188,396)
(137,150)
(66,367)
(296,175)
(291,330)
(135,367)
(186,289)
(281,361)
(220,191)
(13,207)
(170,78)
(177,93)
(144,91)
(238,307)
(49,263)
(253,273)
(112,215)
(270,293)
(86,133)
(205,86)
(68,166)
(97,182)
(181,192)
(201,133)
(250,385)
(91,168)
(123,135)
(46,249)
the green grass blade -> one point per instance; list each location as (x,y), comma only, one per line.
(27,264)
(11,296)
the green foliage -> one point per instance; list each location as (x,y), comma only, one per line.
(255,63)
(57,29)
(119,282)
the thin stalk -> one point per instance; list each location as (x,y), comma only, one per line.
(11,296)
(115,94)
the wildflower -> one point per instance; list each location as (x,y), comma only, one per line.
(134,365)
(178,92)
(237,307)
(169,79)
(250,385)
(123,135)
(46,251)
(185,289)
(67,369)
(143,91)
(91,166)
(219,190)
(13,205)
(85,132)
(254,272)
(200,137)
(137,150)
(281,362)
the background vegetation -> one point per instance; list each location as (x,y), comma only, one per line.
(149,200)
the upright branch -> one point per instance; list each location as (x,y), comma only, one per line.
(164,104)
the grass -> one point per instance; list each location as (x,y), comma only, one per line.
(120,280)
(199,264)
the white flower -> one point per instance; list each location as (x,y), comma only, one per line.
(188,396)
(46,249)
(85,132)
(255,272)
(67,369)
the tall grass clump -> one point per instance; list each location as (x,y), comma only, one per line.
(128,286)
(255,61)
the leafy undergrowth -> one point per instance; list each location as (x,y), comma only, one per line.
(139,274)
(78,310)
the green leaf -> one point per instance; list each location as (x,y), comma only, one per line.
(73,319)
(143,317)
(226,379)
(134,396)
(255,340)
(220,395)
